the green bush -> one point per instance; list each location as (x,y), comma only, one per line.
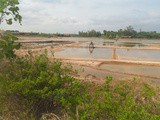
(126,100)
(41,86)
(36,86)
(7,46)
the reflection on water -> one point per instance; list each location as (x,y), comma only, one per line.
(119,43)
(128,44)
(114,54)
(108,43)
(85,53)
(91,47)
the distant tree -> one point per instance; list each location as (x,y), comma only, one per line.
(129,31)
(104,32)
(120,32)
(9,11)
(91,33)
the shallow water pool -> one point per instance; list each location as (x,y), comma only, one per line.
(106,53)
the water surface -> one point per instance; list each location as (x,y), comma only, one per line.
(106,53)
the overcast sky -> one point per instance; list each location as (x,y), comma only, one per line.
(71,16)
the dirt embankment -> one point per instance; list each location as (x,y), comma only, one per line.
(36,38)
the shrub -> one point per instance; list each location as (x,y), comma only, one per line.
(7,46)
(41,86)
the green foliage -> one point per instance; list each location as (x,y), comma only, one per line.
(7,46)
(35,86)
(41,86)
(129,32)
(147,91)
(91,33)
(148,35)
(119,102)
(9,11)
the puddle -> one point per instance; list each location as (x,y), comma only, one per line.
(131,44)
(108,44)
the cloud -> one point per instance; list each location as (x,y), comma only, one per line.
(71,16)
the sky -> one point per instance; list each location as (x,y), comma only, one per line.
(71,16)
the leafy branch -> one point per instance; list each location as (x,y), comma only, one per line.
(9,11)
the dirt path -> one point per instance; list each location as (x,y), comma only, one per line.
(96,62)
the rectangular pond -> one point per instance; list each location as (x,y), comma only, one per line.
(106,53)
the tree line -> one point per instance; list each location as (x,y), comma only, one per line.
(128,32)
(91,33)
